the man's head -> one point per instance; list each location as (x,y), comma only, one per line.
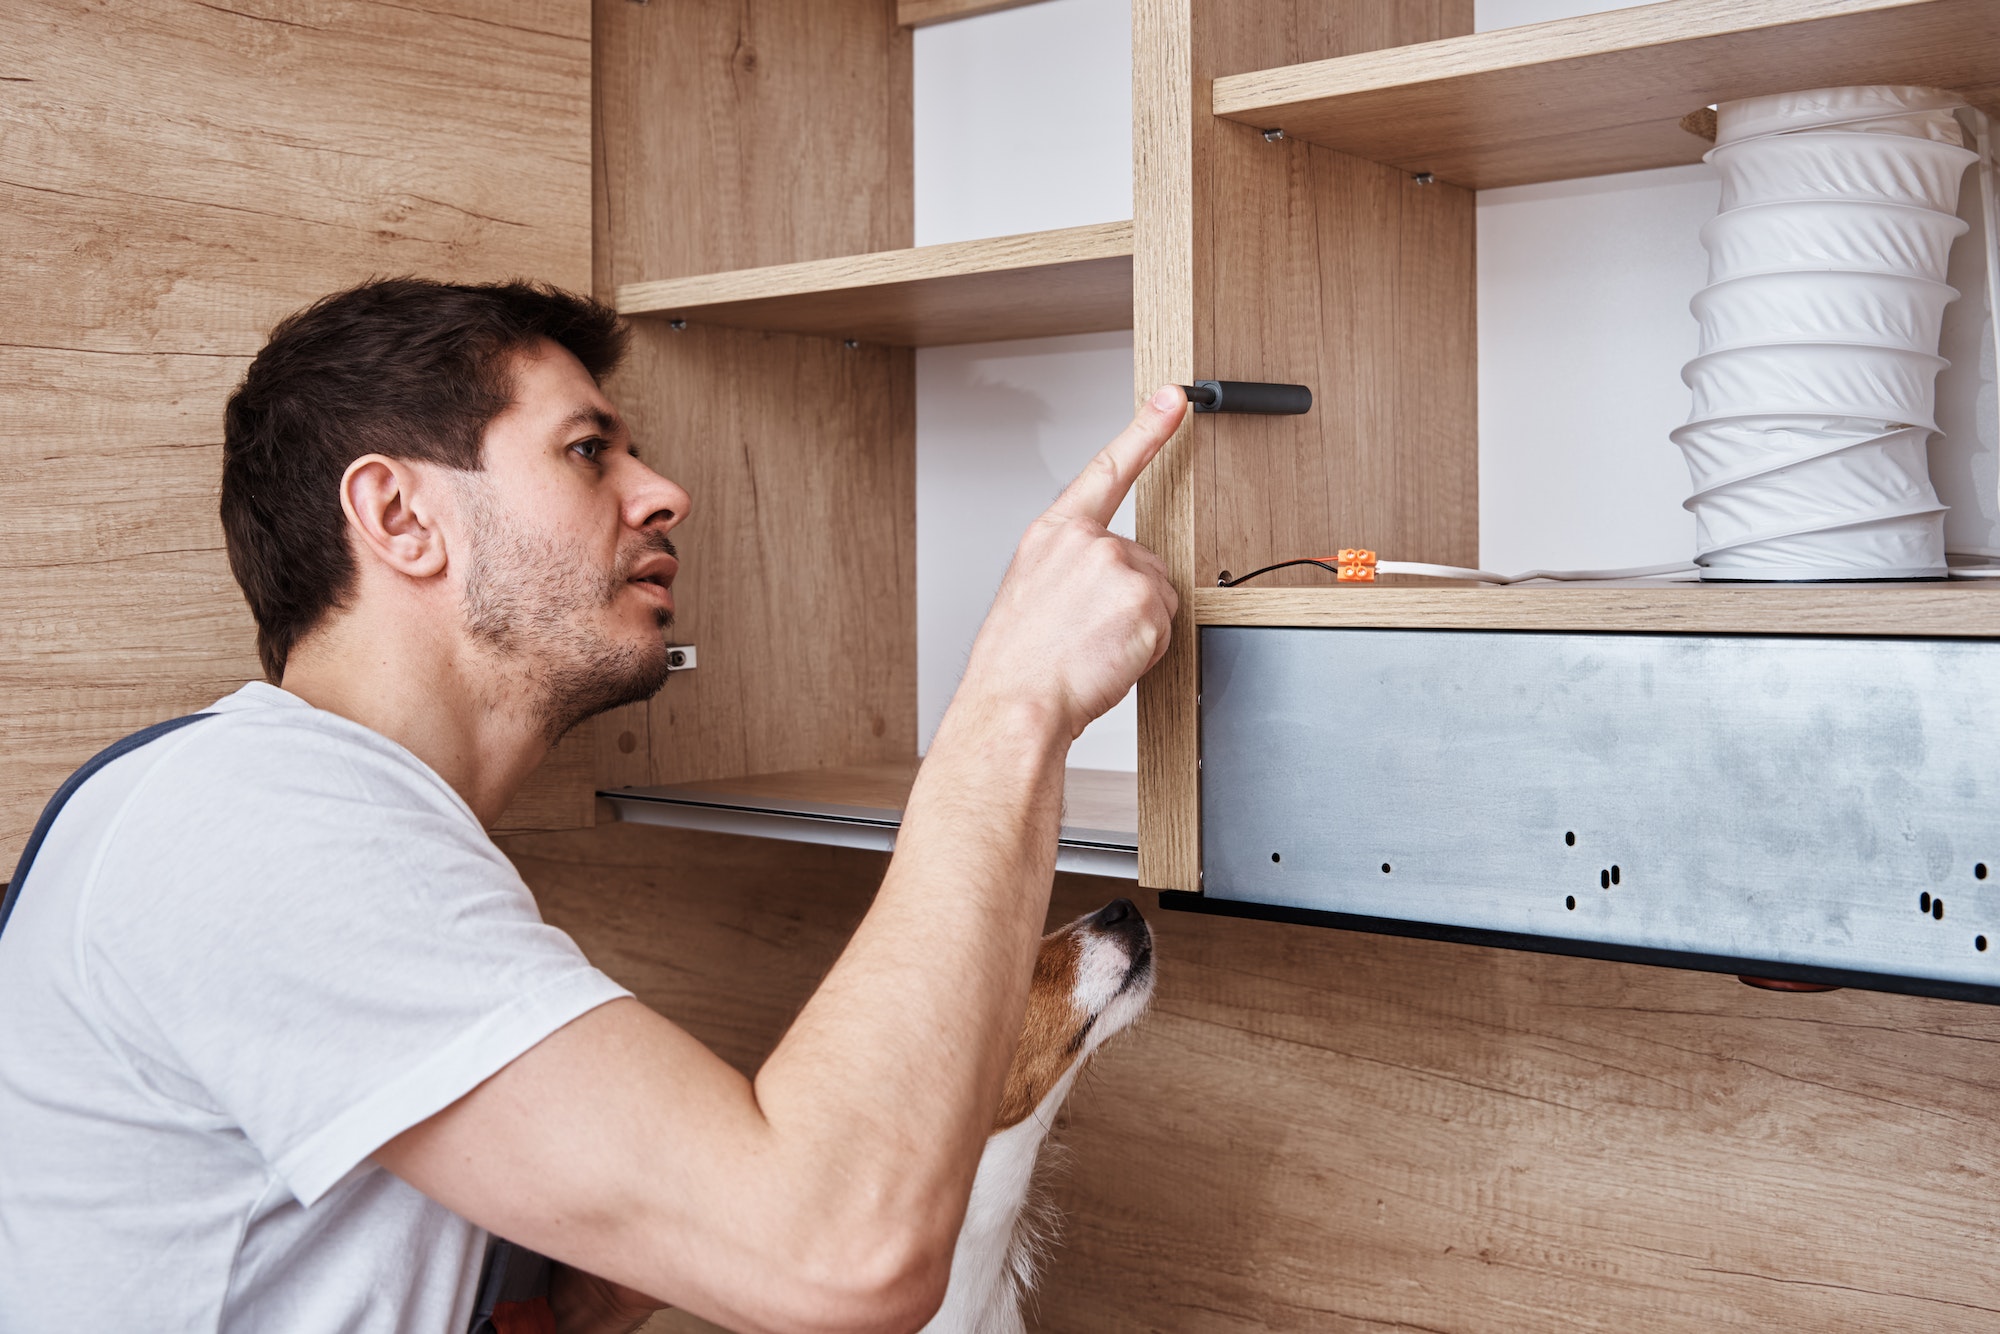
(447,447)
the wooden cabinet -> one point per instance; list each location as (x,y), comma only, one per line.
(1305,176)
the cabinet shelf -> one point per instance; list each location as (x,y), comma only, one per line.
(1607,92)
(861,806)
(1035,285)
(1944,610)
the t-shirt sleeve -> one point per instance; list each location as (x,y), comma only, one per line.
(311,931)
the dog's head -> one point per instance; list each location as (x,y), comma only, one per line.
(1092,978)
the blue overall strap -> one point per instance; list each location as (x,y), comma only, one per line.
(68,790)
(513,1275)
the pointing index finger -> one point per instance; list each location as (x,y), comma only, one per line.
(1101,487)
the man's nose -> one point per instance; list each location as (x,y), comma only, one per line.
(654,501)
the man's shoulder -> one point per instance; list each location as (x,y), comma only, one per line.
(261,745)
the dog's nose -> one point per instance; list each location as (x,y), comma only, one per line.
(1114,912)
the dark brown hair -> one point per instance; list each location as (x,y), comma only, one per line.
(404,367)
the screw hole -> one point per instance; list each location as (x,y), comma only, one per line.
(1979,871)
(1937,910)
(1604,879)
(1570,838)
(1275,857)
(1385,868)
(1614,875)
(677,325)
(1924,901)
(1570,903)
(1979,943)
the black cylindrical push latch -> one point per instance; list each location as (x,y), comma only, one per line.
(1287,400)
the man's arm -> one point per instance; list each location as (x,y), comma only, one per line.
(828,1193)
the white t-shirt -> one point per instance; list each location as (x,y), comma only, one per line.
(248,954)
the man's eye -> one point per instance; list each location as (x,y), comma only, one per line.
(590,448)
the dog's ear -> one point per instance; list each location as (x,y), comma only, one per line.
(1051,1033)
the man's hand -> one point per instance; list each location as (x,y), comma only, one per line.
(1082,614)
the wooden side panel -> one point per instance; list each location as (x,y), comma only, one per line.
(1260,260)
(175,178)
(1169,256)
(1318,1131)
(734,136)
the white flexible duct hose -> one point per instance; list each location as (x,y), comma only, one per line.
(1815,387)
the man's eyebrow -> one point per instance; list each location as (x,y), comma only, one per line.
(607,423)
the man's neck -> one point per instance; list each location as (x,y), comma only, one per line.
(434,695)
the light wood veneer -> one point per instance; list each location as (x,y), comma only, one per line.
(1606,92)
(1078,280)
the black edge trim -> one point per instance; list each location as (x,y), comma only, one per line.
(1181,900)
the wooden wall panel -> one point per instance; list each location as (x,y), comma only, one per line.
(175,177)
(1322,1131)
(731,136)
(1259,260)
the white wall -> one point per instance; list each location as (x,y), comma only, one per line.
(1583,329)
(1024,120)
(1023,123)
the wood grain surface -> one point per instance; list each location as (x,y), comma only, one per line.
(1316,1130)
(731,137)
(1169,237)
(920,13)
(175,178)
(1968,610)
(1606,92)
(1038,285)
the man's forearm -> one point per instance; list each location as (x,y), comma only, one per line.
(920,1013)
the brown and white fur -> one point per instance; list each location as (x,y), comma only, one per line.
(1092,979)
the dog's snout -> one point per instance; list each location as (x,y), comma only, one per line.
(1113,913)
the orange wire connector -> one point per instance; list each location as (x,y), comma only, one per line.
(1353,565)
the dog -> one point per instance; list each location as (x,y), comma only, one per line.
(1092,978)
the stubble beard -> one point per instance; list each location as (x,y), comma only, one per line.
(535,604)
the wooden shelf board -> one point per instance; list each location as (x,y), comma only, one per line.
(1606,92)
(861,805)
(1076,280)
(1955,610)
(922,13)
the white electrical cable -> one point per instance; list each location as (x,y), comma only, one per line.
(1555,576)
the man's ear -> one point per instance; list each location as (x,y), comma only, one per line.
(394,516)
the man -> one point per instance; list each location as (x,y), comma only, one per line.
(285,1033)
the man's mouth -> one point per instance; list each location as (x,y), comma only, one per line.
(656,569)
